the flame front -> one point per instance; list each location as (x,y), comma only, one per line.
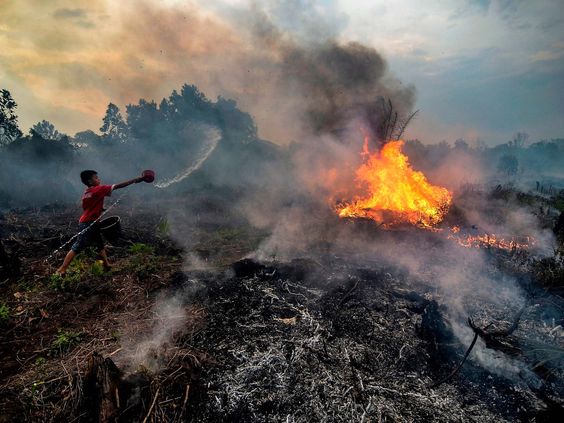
(395,193)
(509,243)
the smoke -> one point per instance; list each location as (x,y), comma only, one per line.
(283,62)
(170,320)
(320,83)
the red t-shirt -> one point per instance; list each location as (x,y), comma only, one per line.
(93,202)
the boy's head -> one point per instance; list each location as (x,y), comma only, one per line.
(89,178)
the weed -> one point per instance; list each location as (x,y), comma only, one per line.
(4,313)
(163,228)
(140,248)
(64,340)
(97,268)
(36,387)
(40,361)
(78,269)
(66,282)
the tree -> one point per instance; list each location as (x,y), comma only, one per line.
(519,140)
(508,164)
(237,126)
(143,119)
(47,130)
(84,138)
(114,127)
(9,129)
(461,145)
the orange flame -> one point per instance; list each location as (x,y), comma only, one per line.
(395,192)
(509,243)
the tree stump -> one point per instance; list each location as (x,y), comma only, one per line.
(100,387)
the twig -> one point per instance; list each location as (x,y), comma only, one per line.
(185,401)
(115,352)
(152,405)
(346,296)
(404,126)
(440,382)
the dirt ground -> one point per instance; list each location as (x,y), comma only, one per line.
(328,337)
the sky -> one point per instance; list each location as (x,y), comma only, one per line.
(481,69)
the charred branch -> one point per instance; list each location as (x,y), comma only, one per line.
(457,368)
(492,338)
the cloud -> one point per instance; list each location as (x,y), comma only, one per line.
(97,51)
(69,13)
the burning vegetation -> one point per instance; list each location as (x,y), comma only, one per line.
(394,192)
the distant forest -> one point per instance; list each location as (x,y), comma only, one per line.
(42,166)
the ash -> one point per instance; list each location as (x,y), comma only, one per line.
(331,340)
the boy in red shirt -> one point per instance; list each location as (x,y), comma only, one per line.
(93,205)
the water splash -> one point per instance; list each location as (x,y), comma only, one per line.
(207,148)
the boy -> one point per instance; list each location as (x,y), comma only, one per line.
(93,205)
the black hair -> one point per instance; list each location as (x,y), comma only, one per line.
(85,176)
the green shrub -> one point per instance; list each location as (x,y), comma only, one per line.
(66,282)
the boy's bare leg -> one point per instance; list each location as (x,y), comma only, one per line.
(68,259)
(105,261)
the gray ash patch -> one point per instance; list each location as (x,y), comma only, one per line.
(341,346)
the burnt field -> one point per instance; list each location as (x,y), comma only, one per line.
(200,319)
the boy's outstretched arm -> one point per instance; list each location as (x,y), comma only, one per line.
(127,183)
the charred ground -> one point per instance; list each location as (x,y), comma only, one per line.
(337,335)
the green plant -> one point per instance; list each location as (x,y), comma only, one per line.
(64,340)
(77,270)
(66,282)
(140,248)
(40,361)
(36,387)
(4,313)
(97,268)
(163,228)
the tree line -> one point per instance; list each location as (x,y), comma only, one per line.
(43,163)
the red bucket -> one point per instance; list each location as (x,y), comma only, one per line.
(148,176)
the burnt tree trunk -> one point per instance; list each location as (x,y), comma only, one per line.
(100,387)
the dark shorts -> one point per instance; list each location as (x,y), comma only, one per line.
(89,238)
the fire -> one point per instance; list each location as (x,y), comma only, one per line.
(509,243)
(395,193)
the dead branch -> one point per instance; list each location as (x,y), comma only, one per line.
(457,368)
(404,125)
